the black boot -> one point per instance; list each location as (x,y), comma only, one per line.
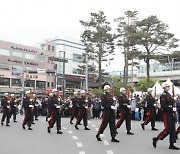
(2,123)
(155,142)
(23,126)
(173,147)
(154,129)
(114,140)
(76,127)
(71,122)
(142,125)
(59,132)
(86,128)
(98,137)
(30,128)
(7,124)
(130,133)
(49,130)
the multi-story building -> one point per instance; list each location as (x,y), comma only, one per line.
(23,67)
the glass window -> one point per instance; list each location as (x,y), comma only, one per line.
(77,57)
(49,47)
(4,67)
(17,54)
(40,85)
(52,85)
(29,56)
(14,68)
(52,48)
(16,82)
(29,83)
(4,52)
(48,84)
(5,81)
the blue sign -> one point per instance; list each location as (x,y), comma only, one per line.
(16,74)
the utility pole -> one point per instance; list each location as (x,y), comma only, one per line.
(86,72)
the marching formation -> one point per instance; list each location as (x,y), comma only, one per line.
(110,106)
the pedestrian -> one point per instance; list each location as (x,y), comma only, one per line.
(167,104)
(108,114)
(14,106)
(151,110)
(83,107)
(5,103)
(125,111)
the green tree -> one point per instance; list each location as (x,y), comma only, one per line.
(117,83)
(151,39)
(142,84)
(96,92)
(98,40)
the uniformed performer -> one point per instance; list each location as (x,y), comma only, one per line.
(14,105)
(5,104)
(151,110)
(56,107)
(167,104)
(75,106)
(49,106)
(28,110)
(36,107)
(82,112)
(108,114)
(125,111)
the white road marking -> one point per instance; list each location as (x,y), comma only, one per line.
(89,122)
(70,132)
(81,152)
(79,145)
(106,142)
(64,128)
(102,135)
(93,125)
(75,137)
(109,152)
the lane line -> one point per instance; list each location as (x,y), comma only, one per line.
(110,152)
(64,128)
(70,132)
(79,145)
(81,152)
(105,142)
(75,137)
(102,135)
(93,125)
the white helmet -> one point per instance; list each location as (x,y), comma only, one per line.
(165,84)
(107,87)
(12,95)
(51,94)
(83,92)
(54,90)
(27,92)
(6,94)
(149,89)
(75,93)
(122,89)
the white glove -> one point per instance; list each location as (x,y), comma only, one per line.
(129,106)
(113,107)
(174,109)
(86,100)
(114,98)
(86,107)
(154,104)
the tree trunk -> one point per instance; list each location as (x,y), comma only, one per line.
(100,68)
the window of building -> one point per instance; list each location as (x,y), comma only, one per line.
(4,67)
(29,56)
(16,68)
(52,84)
(29,83)
(40,85)
(17,54)
(77,71)
(48,84)
(49,47)
(52,48)
(77,57)
(5,82)
(4,52)
(16,82)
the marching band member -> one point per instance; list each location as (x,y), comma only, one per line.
(14,105)
(5,103)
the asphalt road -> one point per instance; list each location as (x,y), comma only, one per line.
(15,140)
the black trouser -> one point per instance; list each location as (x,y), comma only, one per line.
(82,115)
(74,112)
(36,112)
(6,114)
(108,117)
(55,118)
(13,112)
(28,118)
(169,124)
(124,115)
(151,116)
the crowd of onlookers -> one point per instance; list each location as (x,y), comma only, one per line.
(138,108)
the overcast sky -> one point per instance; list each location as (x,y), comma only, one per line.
(30,21)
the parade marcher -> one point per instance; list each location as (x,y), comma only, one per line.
(82,113)
(49,106)
(108,114)
(55,105)
(5,103)
(14,106)
(28,110)
(167,104)
(125,111)
(75,106)
(36,107)
(151,110)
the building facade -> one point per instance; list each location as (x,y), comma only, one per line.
(25,68)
